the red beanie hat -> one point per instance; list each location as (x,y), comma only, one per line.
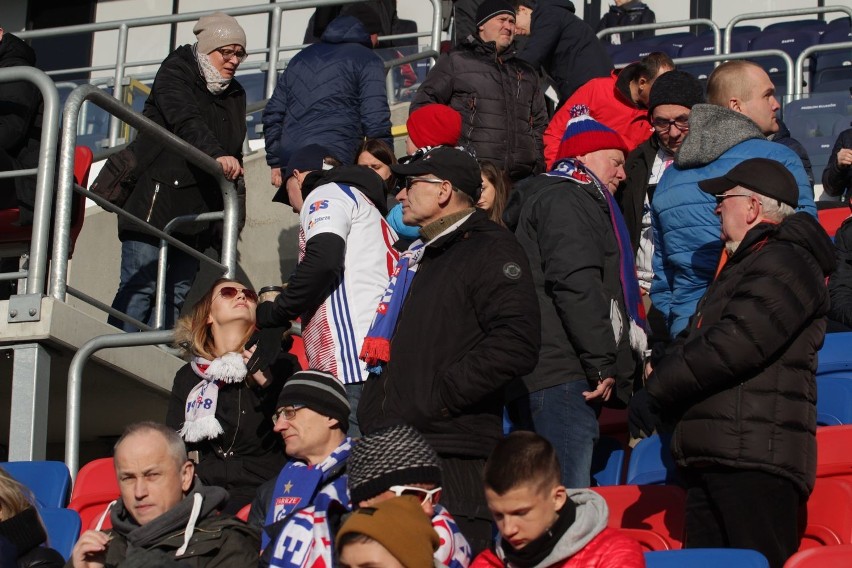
(584,134)
(434,125)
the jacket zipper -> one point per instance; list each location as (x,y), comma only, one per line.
(153,200)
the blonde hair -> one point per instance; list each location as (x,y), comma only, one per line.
(15,498)
(192,332)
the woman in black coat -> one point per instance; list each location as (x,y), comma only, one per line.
(22,530)
(222,403)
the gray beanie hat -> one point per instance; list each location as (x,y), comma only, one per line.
(397,455)
(216,30)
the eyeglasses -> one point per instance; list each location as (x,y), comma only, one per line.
(227,54)
(664,124)
(288,412)
(409,181)
(721,198)
(229,292)
(424,495)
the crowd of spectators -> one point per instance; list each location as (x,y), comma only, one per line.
(649,244)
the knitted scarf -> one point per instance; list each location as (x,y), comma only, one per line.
(572,170)
(200,414)
(376,349)
(216,84)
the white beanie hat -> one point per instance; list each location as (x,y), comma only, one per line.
(216,30)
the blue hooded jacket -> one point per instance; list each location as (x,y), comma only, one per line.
(332,93)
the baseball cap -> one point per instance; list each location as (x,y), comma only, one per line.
(447,163)
(305,159)
(761,175)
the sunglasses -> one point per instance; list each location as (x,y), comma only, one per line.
(424,495)
(229,292)
(227,54)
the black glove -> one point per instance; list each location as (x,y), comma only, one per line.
(266,315)
(269,346)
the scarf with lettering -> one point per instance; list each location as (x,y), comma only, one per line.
(200,422)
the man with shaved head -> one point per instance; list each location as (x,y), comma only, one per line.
(730,129)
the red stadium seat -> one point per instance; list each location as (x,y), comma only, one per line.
(834,451)
(657,508)
(243,513)
(829,514)
(824,557)
(95,487)
(647,539)
(831,218)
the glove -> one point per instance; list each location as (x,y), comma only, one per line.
(265,315)
(269,347)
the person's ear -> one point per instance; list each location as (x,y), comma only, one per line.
(734,104)
(559,496)
(754,209)
(445,192)
(187,473)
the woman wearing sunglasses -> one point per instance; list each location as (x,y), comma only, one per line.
(223,400)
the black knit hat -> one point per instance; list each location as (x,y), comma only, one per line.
(492,8)
(397,455)
(320,392)
(367,15)
(675,88)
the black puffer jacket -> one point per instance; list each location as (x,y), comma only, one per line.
(565,229)
(631,13)
(215,124)
(565,47)
(498,96)
(836,180)
(840,285)
(632,191)
(742,378)
(470,324)
(20,121)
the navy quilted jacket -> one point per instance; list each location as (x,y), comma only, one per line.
(332,93)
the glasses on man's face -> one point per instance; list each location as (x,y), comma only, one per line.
(409,181)
(288,412)
(229,292)
(724,196)
(664,124)
(431,496)
(227,54)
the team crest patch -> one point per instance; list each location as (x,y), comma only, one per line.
(512,270)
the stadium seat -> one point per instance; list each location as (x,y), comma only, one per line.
(634,50)
(814,25)
(607,462)
(829,513)
(790,41)
(651,462)
(95,487)
(63,527)
(50,481)
(703,45)
(834,458)
(822,557)
(706,558)
(831,218)
(647,539)
(838,24)
(834,397)
(658,508)
(243,514)
(835,356)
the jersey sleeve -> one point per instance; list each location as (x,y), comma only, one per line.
(329,208)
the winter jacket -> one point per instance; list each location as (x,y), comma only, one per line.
(25,535)
(840,284)
(588,542)
(632,191)
(783,137)
(469,325)
(610,104)
(215,540)
(499,98)
(631,13)
(215,124)
(565,229)
(248,452)
(565,47)
(20,123)
(686,229)
(332,93)
(837,181)
(740,382)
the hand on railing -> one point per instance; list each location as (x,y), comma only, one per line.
(276,177)
(230,167)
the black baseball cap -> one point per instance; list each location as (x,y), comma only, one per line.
(761,175)
(306,159)
(447,163)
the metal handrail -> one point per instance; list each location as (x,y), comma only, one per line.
(729,29)
(274,10)
(800,61)
(667,25)
(44,174)
(162,136)
(75,382)
(744,55)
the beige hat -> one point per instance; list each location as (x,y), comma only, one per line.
(216,30)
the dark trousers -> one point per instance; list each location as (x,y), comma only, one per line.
(464,497)
(731,508)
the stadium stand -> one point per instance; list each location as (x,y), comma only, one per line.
(657,508)
(63,527)
(651,462)
(706,558)
(50,481)
(607,462)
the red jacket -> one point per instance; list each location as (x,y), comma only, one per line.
(609,549)
(608,106)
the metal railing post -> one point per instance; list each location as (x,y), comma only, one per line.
(667,25)
(437,23)
(799,74)
(75,382)
(118,84)
(788,61)
(272,56)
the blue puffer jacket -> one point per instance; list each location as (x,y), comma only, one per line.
(686,230)
(332,93)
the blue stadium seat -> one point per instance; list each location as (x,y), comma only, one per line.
(792,42)
(835,65)
(839,24)
(834,398)
(706,558)
(815,116)
(63,527)
(651,462)
(835,355)
(607,462)
(50,481)
(834,85)
(796,25)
